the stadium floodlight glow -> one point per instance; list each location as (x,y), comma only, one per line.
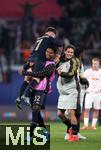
(20,135)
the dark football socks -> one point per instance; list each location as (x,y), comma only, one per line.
(23,87)
(74,128)
(41,121)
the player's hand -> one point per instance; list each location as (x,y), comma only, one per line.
(59,70)
(37,79)
(21,70)
(57,59)
(31,64)
(84,81)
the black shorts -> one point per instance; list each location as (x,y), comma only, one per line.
(39,98)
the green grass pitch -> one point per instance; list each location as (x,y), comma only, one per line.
(93,141)
(57,142)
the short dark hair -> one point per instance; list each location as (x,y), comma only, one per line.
(78,51)
(52,29)
(70,46)
(55,48)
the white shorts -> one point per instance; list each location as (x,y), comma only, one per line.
(67,101)
(93,100)
(68,95)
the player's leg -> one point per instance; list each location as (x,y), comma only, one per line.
(41,120)
(39,100)
(61,114)
(87,107)
(35,81)
(35,110)
(68,102)
(97,103)
(63,118)
(34,121)
(22,89)
(29,90)
(73,120)
(72,106)
(78,114)
(99,117)
(41,124)
(73,133)
(42,103)
(81,137)
(86,119)
(95,118)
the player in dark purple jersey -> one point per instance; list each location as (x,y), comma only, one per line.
(48,40)
(37,59)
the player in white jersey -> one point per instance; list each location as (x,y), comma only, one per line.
(66,86)
(69,90)
(93,93)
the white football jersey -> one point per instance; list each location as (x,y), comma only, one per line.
(94,78)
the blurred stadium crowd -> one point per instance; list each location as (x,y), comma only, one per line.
(79,24)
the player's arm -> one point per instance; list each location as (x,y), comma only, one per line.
(47,71)
(28,65)
(83,80)
(71,71)
(65,74)
(55,43)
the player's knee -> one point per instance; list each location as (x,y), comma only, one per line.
(71,113)
(28,79)
(66,114)
(36,108)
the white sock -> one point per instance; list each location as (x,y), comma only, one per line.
(94,121)
(86,121)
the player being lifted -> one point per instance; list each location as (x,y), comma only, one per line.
(37,61)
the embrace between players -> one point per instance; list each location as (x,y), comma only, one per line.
(39,72)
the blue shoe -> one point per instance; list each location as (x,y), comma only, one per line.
(18,103)
(26,100)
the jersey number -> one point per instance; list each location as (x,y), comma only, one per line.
(38,44)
